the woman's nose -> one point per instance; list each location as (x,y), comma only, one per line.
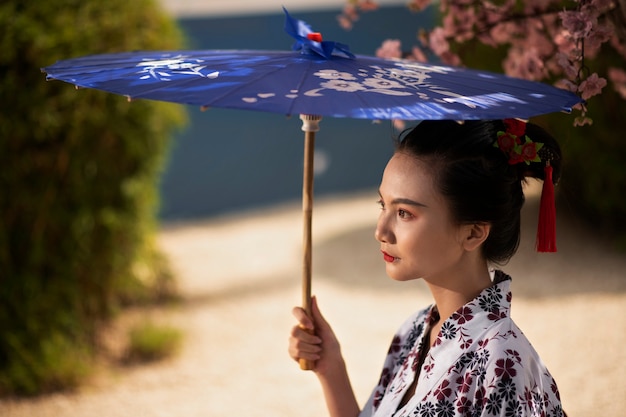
(383,232)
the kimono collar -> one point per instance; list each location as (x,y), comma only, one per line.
(492,301)
(464,328)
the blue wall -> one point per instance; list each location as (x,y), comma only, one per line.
(229,160)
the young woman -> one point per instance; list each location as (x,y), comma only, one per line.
(450,202)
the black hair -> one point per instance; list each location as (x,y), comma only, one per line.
(475,177)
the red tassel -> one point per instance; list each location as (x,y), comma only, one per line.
(546,230)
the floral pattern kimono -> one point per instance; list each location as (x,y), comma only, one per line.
(480,364)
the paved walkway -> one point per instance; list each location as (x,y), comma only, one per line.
(240,277)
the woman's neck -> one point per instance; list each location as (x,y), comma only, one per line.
(452,292)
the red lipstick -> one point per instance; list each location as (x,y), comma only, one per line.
(387,257)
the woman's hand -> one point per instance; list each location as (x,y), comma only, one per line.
(314,340)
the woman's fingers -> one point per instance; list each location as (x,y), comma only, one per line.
(304,320)
(313,339)
(305,336)
(303,344)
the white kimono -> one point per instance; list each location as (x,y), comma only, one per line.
(480,364)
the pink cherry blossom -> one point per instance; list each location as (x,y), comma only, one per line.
(618,78)
(450,58)
(619,47)
(617,75)
(418,55)
(465,19)
(344,22)
(391,48)
(348,17)
(592,86)
(449,25)
(582,121)
(563,42)
(598,36)
(437,41)
(493,14)
(544,39)
(501,33)
(537,38)
(578,24)
(351,12)
(524,63)
(567,65)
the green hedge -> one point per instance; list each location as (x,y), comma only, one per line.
(78,177)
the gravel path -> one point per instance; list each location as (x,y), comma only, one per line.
(239,277)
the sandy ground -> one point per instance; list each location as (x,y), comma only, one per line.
(240,277)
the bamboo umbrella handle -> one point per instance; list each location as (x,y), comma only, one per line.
(310,125)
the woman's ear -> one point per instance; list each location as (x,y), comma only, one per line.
(475,235)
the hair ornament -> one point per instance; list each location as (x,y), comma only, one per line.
(518,147)
(516,144)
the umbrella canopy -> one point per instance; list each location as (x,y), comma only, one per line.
(295,83)
(306,83)
(318,78)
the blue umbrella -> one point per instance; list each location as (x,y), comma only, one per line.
(318,78)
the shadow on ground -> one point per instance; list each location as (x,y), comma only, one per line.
(585,263)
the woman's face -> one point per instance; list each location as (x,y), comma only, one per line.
(417,236)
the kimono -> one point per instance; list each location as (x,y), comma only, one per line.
(480,364)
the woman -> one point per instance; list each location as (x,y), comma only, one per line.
(451,197)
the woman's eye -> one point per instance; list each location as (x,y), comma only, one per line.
(381,204)
(403,214)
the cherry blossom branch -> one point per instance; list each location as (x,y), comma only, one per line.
(546,40)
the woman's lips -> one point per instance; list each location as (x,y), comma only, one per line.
(387,257)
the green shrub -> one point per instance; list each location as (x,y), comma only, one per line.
(56,362)
(149,342)
(78,176)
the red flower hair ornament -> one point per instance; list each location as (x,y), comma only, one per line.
(518,147)
(516,144)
